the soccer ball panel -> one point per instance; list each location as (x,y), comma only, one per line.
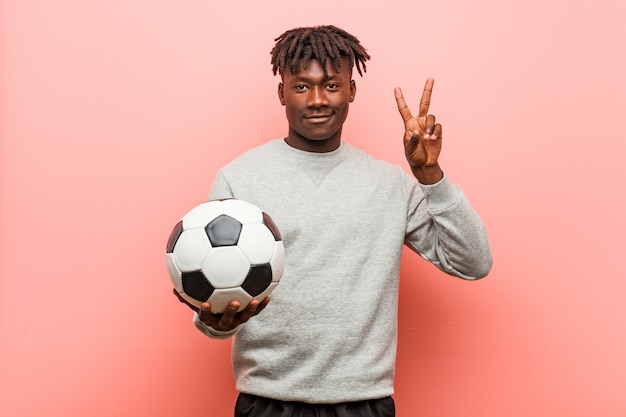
(223,231)
(267,221)
(202,214)
(171,242)
(221,298)
(258,279)
(226,267)
(191,250)
(174,272)
(242,211)
(196,285)
(278,261)
(257,243)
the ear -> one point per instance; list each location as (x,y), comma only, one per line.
(281,93)
(352,90)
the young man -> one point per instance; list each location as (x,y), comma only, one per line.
(326,343)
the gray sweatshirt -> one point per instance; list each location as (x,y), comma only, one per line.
(329,333)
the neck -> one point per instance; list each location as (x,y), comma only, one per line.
(313,145)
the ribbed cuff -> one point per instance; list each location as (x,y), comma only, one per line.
(211,332)
(441,195)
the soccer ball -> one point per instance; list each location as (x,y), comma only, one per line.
(225,250)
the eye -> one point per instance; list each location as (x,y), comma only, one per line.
(332,86)
(299,87)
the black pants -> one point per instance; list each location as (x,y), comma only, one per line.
(253,406)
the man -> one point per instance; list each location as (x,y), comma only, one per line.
(326,343)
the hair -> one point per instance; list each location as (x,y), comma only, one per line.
(322,43)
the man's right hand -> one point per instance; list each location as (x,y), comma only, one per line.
(230,318)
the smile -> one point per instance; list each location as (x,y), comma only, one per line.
(318,118)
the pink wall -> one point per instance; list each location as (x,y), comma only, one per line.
(115,116)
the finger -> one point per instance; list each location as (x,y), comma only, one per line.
(430,126)
(438,132)
(402,106)
(263,304)
(204,313)
(425,101)
(229,315)
(411,143)
(249,311)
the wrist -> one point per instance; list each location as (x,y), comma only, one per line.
(213,332)
(428,175)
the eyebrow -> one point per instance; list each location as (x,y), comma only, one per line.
(305,78)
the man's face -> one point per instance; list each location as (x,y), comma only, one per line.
(316,105)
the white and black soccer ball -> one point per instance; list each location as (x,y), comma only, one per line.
(225,250)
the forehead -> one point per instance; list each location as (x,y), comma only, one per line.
(314,69)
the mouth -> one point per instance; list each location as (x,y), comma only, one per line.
(318,118)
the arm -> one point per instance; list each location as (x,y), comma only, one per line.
(443,227)
(445,230)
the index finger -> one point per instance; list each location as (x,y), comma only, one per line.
(403,108)
(425,101)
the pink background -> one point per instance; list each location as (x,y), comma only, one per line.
(115,116)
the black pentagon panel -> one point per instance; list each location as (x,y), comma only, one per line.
(267,221)
(223,231)
(176,232)
(196,285)
(258,279)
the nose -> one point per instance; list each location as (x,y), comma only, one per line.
(317,97)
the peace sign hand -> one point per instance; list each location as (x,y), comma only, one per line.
(422,137)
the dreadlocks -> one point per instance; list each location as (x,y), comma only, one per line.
(322,43)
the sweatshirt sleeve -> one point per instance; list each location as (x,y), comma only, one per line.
(211,332)
(445,230)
